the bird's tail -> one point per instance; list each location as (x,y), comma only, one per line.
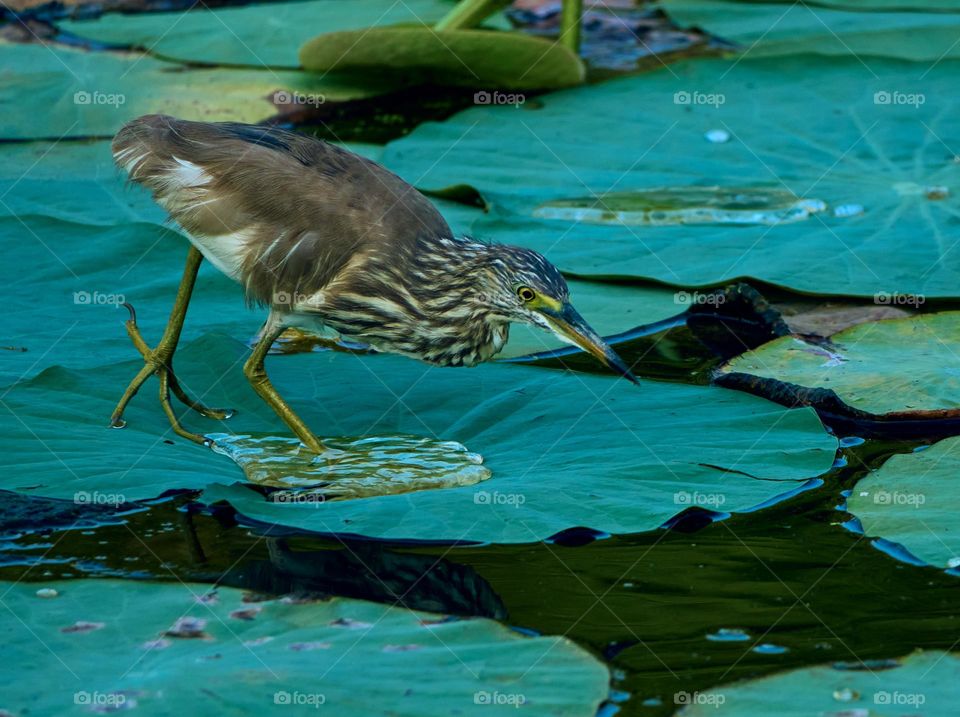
(142,149)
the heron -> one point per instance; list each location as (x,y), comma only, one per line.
(326,239)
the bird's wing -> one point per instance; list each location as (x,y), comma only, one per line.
(284,213)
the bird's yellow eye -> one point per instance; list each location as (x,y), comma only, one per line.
(526,293)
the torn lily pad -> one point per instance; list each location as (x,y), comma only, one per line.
(912,501)
(921,683)
(399,661)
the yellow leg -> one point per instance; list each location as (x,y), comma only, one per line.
(256,373)
(159,361)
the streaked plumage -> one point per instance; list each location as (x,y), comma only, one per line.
(320,235)
(347,243)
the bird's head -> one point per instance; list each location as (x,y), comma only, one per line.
(523,287)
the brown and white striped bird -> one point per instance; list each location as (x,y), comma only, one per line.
(323,237)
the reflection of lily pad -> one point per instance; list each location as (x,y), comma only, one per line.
(564,449)
(900,366)
(912,500)
(473,58)
(923,683)
(816,131)
(257,35)
(162,649)
(864,29)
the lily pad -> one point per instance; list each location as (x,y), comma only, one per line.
(472,58)
(75,93)
(163,648)
(256,35)
(922,683)
(863,30)
(821,130)
(897,366)
(564,449)
(911,500)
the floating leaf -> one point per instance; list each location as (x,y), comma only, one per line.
(821,129)
(922,683)
(860,29)
(912,500)
(75,93)
(898,366)
(399,662)
(564,449)
(480,59)
(255,35)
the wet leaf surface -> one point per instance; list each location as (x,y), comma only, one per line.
(819,130)
(160,650)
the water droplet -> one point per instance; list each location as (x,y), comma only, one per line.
(718,136)
(725,634)
(953,563)
(936,192)
(850,441)
(848,210)
(845,694)
(47,593)
(768,649)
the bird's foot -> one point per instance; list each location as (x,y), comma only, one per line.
(158,362)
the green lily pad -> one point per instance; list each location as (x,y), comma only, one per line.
(472,58)
(564,449)
(923,683)
(822,130)
(897,366)
(75,93)
(863,30)
(164,648)
(255,35)
(911,500)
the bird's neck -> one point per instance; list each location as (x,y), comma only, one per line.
(452,285)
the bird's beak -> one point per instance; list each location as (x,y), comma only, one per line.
(570,326)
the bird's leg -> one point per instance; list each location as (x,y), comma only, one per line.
(256,373)
(159,361)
